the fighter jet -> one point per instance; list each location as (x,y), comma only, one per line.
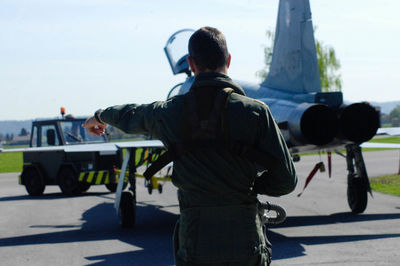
(309,119)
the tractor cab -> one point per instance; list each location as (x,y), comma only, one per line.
(65,131)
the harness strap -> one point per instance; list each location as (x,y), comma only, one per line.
(157,165)
(191,112)
(237,148)
(207,128)
(196,134)
(204,136)
(220,102)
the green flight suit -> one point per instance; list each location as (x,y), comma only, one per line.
(219,222)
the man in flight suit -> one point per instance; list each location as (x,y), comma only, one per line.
(214,124)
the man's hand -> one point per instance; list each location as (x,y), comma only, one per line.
(94,127)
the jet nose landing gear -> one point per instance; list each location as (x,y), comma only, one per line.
(127,209)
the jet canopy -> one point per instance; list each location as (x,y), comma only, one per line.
(176,50)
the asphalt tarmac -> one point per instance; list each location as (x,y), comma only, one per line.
(84,230)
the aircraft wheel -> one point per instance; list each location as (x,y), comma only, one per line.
(112,187)
(160,188)
(127,209)
(357,194)
(34,182)
(68,181)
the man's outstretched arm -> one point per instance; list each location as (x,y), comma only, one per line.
(130,118)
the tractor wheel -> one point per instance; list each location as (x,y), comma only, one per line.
(33,181)
(127,209)
(357,194)
(83,187)
(68,181)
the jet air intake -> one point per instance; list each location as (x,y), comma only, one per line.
(358,122)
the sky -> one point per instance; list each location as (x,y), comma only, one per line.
(90,54)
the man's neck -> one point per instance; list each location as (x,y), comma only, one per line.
(210,74)
(222,70)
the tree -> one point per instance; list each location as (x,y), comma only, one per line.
(268,49)
(328,64)
(385,119)
(9,137)
(394,116)
(23,132)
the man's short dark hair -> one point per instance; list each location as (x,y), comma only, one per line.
(208,49)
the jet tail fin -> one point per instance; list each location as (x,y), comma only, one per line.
(294,66)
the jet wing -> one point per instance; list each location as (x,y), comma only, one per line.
(52,148)
(392,131)
(140,144)
(380,145)
(103,148)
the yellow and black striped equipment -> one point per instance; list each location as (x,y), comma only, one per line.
(98,177)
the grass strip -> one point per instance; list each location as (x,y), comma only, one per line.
(11,162)
(389,184)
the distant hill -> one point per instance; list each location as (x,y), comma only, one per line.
(386,107)
(14,126)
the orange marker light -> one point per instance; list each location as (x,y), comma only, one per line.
(62,110)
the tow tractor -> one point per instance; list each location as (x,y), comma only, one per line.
(63,153)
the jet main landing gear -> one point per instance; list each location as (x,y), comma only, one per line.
(357,179)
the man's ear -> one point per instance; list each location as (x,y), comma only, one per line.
(192,64)
(229,61)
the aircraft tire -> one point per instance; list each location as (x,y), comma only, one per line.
(68,181)
(127,209)
(357,194)
(33,181)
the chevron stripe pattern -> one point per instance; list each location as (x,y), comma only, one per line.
(95,177)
